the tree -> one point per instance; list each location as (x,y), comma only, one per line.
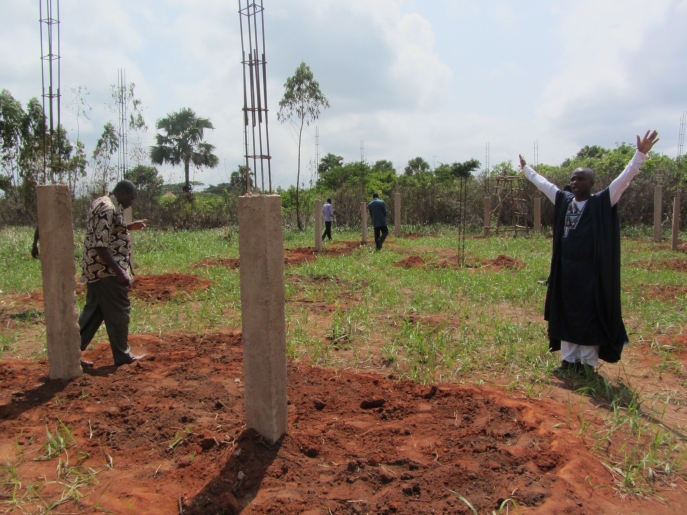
(182,142)
(145,178)
(301,105)
(416,165)
(328,162)
(107,145)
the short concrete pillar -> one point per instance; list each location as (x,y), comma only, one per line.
(658,211)
(58,271)
(397,215)
(318,225)
(537,214)
(676,221)
(363,217)
(261,250)
(487,215)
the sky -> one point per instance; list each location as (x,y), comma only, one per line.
(433,78)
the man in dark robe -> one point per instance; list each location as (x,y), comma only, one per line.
(583,296)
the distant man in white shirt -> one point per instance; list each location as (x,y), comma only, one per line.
(583,297)
(328,216)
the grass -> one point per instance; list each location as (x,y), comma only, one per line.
(430,325)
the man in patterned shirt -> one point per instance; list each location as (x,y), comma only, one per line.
(107,271)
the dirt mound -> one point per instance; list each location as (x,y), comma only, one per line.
(415,236)
(411,262)
(664,292)
(232,263)
(169,431)
(676,264)
(502,261)
(297,256)
(163,287)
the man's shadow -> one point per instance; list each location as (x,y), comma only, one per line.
(239,481)
(44,393)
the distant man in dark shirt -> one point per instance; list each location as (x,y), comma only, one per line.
(107,271)
(377,209)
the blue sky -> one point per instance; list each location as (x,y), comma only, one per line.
(437,79)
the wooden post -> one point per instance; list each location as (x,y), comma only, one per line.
(487,215)
(363,217)
(537,214)
(318,225)
(658,211)
(397,215)
(676,221)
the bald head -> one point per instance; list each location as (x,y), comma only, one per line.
(581,182)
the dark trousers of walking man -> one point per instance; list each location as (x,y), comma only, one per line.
(380,235)
(327,231)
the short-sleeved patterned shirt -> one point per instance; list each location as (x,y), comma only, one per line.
(105,228)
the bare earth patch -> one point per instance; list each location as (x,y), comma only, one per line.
(163,287)
(172,430)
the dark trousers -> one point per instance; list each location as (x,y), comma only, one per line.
(107,301)
(380,235)
(327,231)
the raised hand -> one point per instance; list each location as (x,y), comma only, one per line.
(522,161)
(644,145)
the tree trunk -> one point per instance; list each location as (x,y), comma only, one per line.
(298,179)
(187,186)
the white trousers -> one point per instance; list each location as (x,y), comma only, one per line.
(573,353)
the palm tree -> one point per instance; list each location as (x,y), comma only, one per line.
(182,142)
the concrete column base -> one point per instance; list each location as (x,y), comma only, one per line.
(363,217)
(261,250)
(658,211)
(58,271)
(537,214)
(676,222)
(397,215)
(487,215)
(318,225)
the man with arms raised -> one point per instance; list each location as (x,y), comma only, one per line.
(583,296)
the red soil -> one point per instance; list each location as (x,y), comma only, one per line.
(358,443)
(677,264)
(667,292)
(411,262)
(294,256)
(166,286)
(502,261)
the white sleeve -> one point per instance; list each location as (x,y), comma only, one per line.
(620,184)
(541,183)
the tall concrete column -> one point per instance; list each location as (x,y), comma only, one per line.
(261,250)
(318,225)
(676,221)
(537,214)
(58,271)
(658,211)
(487,215)
(397,215)
(363,217)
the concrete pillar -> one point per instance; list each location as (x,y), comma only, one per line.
(58,271)
(487,215)
(537,214)
(397,215)
(676,221)
(658,211)
(261,250)
(128,219)
(363,217)
(318,225)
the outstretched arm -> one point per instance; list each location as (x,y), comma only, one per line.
(620,184)
(540,182)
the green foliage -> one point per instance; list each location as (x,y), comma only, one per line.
(182,143)
(417,165)
(328,162)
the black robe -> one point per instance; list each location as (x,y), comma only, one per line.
(583,297)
